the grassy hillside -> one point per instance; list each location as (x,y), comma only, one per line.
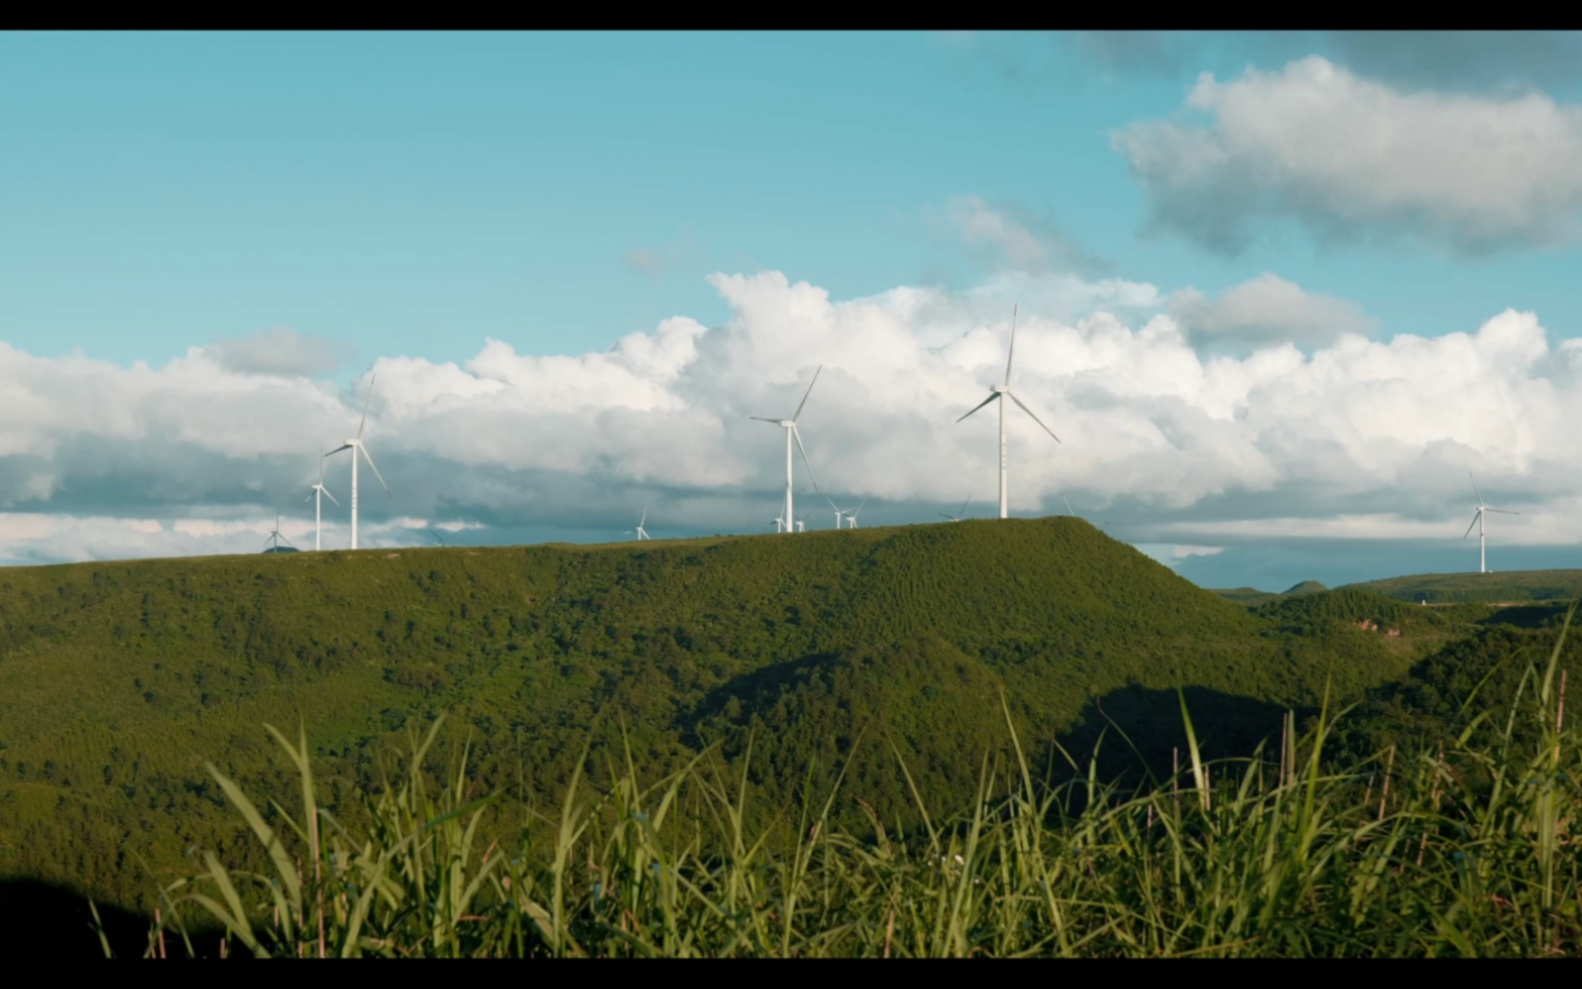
(118,680)
(1518,585)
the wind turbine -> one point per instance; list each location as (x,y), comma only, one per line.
(1477,520)
(789,425)
(801,522)
(435,533)
(958,515)
(779,523)
(851,517)
(356,447)
(999,391)
(317,497)
(838,513)
(641,532)
(276,538)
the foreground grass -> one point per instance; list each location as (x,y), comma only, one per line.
(1273,855)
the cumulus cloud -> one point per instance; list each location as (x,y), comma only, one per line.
(1269,309)
(1015,237)
(1167,445)
(1350,158)
(280,351)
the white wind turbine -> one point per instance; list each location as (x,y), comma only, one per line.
(801,522)
(320,492)
(789,425)
(275,538)
(851,517)
(356,447)
(839,512)
(999,391)
(958,515)
(641,532)
(1477,520)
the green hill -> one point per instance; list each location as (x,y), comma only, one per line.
(1517,585)
(117,680)
(1253,596)
(1487,668)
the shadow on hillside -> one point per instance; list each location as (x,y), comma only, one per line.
(54,922)
(48,920)
(1527,615)
(752,691)
(1227,726)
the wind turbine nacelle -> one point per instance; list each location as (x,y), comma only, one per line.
(999,389)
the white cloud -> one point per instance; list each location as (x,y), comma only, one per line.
(1016,238)
(1175,447)
(1171,555)
(1352,158)
(279,351)
(1269,309)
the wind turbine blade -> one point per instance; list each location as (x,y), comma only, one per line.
(369,398)
(1068,505)
(330,496)
(321,466)
(964,507)
(338,449)
(810,385)
(370,460)
(1012,354)
(1501,511)
(309,497)
(992,396)
(944,516)
(1029,411)
(644,518)
(798,437)
(762,419)
(1475,488)
(1470,525)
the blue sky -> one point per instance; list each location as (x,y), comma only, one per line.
(414,195)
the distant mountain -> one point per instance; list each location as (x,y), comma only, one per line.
(1306,587)
(1253,596)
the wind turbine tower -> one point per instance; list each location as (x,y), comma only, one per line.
(851,517)
(1477,520)
(317,497)
(356,447)
(789,425)
(1004,391)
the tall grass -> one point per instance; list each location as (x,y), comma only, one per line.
(1455,850)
